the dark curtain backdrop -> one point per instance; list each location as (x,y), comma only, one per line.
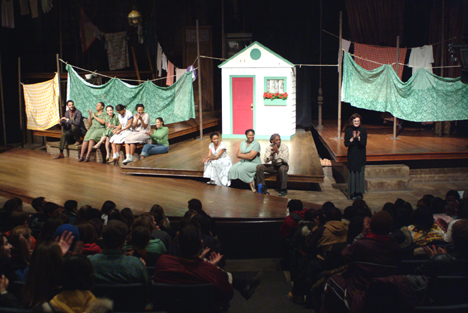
(453,28)
(376,22)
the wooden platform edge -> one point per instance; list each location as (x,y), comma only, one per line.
(146,171)
(54,133)
(410,157)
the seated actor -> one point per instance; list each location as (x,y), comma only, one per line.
(278,154)
(73,127)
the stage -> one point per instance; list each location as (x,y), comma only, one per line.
(184,159)
(29,174)
(412,144)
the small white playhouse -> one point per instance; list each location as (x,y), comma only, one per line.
(258,92)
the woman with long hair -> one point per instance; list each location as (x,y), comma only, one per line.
(43,280)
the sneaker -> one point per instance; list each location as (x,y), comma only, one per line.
(127,160)
(283,193)
(296,299)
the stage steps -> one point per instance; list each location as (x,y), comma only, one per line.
(388,177)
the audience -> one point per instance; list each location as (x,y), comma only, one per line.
(6,267)
(43,279)
(88,236)
(320,243)
(111,266)
(374,256)
(106,209)
(291,223)
(70,209)
(76,281)
(424,231)
(192,268)
(20,239)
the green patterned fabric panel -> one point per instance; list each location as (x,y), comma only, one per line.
(174,103)
(425,97)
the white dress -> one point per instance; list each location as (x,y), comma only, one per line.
(120,138)
(139,133)
(217,170)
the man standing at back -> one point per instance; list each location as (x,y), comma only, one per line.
(278,154)
(73,127)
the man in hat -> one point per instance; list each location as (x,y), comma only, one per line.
(275,161)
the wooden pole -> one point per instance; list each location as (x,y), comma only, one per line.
(340,66)
(136,66)
(60,39)
(59,90)
(396,70)
(223,38)
(20,103)
(200,107)
(442,50)
(3,102)
(320,93)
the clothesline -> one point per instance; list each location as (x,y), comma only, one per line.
(355,56)
(437,43)
(300,65)
(127,79)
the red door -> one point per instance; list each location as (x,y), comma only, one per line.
(242,104)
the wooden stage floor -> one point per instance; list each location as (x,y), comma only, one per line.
(185,159)
(30,174)
(412,144)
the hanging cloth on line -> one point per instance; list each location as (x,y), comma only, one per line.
(425,97)
(421,57)
(117,50)
(41,102)
(380,55)
(174,104)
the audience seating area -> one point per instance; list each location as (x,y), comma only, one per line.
(312,266)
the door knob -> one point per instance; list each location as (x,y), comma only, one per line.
(251,106)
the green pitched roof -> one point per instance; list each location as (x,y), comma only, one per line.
(256,43)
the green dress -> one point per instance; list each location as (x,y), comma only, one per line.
(97,129)
(245,169)
(114,120)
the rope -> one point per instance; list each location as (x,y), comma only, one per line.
(437,43)
(127,79)
(448,66)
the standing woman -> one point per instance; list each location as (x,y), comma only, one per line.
(356,141)
(95,131)
(141,125)
(160,137)
(111,122)
(217,163)
(249,153)
(121,131)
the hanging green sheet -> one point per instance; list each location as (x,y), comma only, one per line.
(425,97)
(174,103)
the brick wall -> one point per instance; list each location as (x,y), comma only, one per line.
(439,174)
